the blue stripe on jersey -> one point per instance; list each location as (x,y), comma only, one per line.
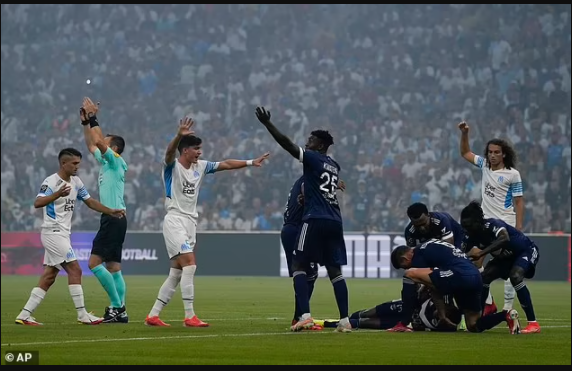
(481,162)
(211,167)
(516,187)
(168,177)
(82,194)
(50,208)
(508,199)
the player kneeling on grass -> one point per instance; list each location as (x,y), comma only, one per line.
(446,270)
(515,256)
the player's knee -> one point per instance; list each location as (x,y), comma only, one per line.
(516,276)
(334,271)
(487,278)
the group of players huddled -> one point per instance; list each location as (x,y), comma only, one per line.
(445,286)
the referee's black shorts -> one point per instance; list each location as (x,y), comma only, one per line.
(108,243)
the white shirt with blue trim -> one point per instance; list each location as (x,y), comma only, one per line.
(58,214)
(182,186)
(498,190)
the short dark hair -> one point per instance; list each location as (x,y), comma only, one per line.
(510,159)
(117,141)
(417,209)
(473,211)
(324,136)
(188,141)
(69,152)
(397,254)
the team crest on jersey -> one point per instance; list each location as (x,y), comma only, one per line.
(196,174)
(188,188)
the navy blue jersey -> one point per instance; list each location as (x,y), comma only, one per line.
(442,227)
(444,256)
(519,243)
(321,175)
(294,211)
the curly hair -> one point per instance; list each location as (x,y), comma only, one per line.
(473,211)
(509,154)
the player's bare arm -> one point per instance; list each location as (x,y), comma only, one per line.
(502,239)
(519,210)
(97,206)
(185,126)
(97,139)
(239,164)
(464,146)
(441,310)
(264,117)
(89,142)
(46,200)
(420,275)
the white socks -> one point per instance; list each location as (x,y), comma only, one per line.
(188,289)
(76,292)
(509,294)
(166,291)
(34,301)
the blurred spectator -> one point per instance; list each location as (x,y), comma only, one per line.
(389,81)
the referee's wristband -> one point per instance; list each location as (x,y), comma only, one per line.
(93,121)
(249,162)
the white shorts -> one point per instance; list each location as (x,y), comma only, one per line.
(58,249)
(180,235)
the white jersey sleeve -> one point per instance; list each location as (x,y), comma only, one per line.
(82,193)
(182,186)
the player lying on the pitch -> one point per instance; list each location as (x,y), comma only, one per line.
(387,315)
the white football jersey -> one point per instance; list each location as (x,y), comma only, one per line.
(58,214)
(498,191)
(182,186)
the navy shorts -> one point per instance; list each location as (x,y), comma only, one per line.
(321,241)
(527,261)
(288,236)
(466,289)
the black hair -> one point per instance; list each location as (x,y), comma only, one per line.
(188,141)
(509,154)
(473,211)
(397,254)
(417,209)
(117,141)
(69,152)
(325,137)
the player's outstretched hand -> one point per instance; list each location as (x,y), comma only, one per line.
(185,126)
(258,162)
(464,127)
(118,213)
(263,115)
(342,185)
(64,191)
(89,107)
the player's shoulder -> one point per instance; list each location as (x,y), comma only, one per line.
(410,228)
(52,179)
(438,217)
(76,180)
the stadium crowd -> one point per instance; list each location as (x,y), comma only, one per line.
(390,82)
